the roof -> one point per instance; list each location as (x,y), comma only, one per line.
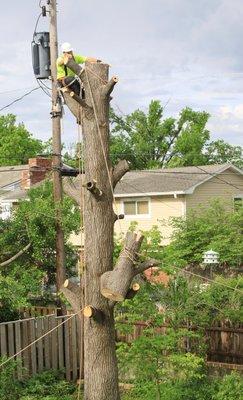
(181,180)
(11,174)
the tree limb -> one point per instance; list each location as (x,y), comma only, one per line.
(119,170)
(109,86)
(72,292)
(71,191)
(16,256)
(115,284)
(76,68)
(75,103)
(145,265)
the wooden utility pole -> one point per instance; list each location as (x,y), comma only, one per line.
(56,147)
(104,283)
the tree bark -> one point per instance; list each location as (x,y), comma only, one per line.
(100,363)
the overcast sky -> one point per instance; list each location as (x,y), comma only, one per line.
(182,52)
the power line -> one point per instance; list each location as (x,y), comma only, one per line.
(19,98)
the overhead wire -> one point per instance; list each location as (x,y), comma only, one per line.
(102,147)
(40,338)
(19,98)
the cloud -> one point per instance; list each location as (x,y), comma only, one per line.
(184,50)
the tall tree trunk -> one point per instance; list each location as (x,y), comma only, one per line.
(100,363)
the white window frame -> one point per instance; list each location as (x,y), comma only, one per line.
(137,216)
(5,210)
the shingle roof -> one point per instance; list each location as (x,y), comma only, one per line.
(10,175)
(167,180)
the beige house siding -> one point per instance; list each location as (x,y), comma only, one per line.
(216,188)
(162,208)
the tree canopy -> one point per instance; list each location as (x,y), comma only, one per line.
(33,222)
(148,140)
(17,145)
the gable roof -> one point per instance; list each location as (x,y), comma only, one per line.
(181,180)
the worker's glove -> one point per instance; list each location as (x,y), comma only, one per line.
(66,58)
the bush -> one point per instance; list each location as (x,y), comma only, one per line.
(230,388)
(48,385)
(9,387)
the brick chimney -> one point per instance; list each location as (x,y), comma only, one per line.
(39,167)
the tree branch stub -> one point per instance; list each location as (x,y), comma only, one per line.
(92,312)
(91,186)
(115,284)
(108,88)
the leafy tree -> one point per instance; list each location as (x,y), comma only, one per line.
(219,152)
(215,227)
(34,222)
(148,140)
(17,145)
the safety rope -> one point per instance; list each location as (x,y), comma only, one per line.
(82,240)
(40,338)
(103,151)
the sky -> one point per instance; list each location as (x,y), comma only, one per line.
(185,53)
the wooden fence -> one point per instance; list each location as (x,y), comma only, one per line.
(58,350)
(61,348)
(224,343)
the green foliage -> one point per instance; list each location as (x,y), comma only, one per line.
(214,227)
(219,152)
(17,145)
(9,387)
(148,140)
(48,385)
(33,221)
(230,388)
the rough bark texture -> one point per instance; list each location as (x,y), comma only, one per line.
(100,363)
(115,284)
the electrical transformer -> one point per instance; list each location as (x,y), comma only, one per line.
(41,55)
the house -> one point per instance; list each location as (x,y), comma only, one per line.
(16,180)
(153,197)
(149,197)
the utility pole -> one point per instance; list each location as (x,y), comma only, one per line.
(56,147)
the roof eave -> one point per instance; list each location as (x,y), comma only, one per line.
(152,194)
(212,175)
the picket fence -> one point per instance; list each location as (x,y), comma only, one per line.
(58,350)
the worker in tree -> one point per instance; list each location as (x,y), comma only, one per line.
(65,76)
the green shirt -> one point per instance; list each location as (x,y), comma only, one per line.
(61,70)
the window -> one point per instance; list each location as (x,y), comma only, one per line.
(5,211)
(136,207)
(238,203)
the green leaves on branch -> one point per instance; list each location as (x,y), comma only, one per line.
(149,140)
(17,145)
